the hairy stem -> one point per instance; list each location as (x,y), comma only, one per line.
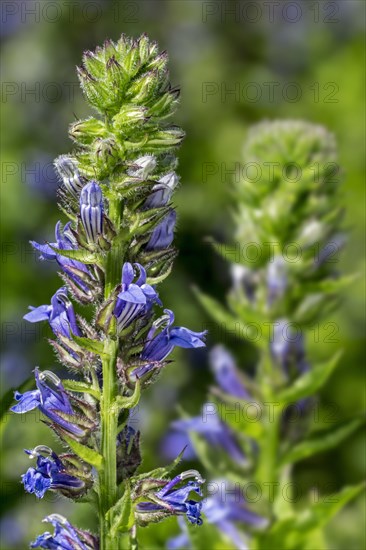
(109,414)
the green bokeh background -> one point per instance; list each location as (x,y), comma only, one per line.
(312,55)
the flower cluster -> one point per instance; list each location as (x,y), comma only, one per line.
(291,218)
(116,190)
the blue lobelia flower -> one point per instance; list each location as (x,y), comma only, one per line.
(159,346)
(52,402)
(65,240)
(277,279)
(225,509)
(287,347)
(177,501)
(91,211)
(50,473)
(136,298)
(163,235)
(162,191)
(216,432)
(60,314)
(68,171)
(226,373)
(65,536)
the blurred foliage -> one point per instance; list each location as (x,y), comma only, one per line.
(215,48)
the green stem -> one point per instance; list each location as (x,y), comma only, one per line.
(108,412)
(133,539)
(108,476)
(267,472)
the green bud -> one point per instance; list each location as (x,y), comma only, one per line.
(84,132)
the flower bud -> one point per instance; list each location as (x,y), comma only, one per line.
(91,210)
(142,167)
(67,169)
(85,131)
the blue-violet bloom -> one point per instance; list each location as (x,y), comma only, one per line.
(64,241)
(135,298)
(60,314)
(67,169)
(65,536)
(91,210)
(163,235)
(50,473)
(50,401)
(216,432)
(177,501)
(162,191)
(159,346)
(226,373)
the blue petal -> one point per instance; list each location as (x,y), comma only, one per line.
(133,294)
(226,373)
(41,313)
(128,274)
(185,338)
(27,401)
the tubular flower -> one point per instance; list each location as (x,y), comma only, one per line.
(64,241)
(176,501)
(135,299)
(60,314)
(159,346)
(162,191)
(226,373)
(54,402)
(65,536)
(68,171)
(163,235)
(216,432)
(50,473)
(91,210)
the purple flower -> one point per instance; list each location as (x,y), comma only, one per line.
(60,314)
(67,169)
(162,191)
(50,473)
(135,299)
(91,210)
(65,536)
(177,501)
(53,402)
(226,373)
(217,433)
(65,241)
(159,346)
(287,347)
(276,279)
(163,235)
(226,508)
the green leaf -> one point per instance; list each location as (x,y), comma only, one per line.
(324,440)
(297,532)
(95,346)
(85,453)
(81,255)
(74,385)
(310,382)
(319,514)
(123,402)
(121,515)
